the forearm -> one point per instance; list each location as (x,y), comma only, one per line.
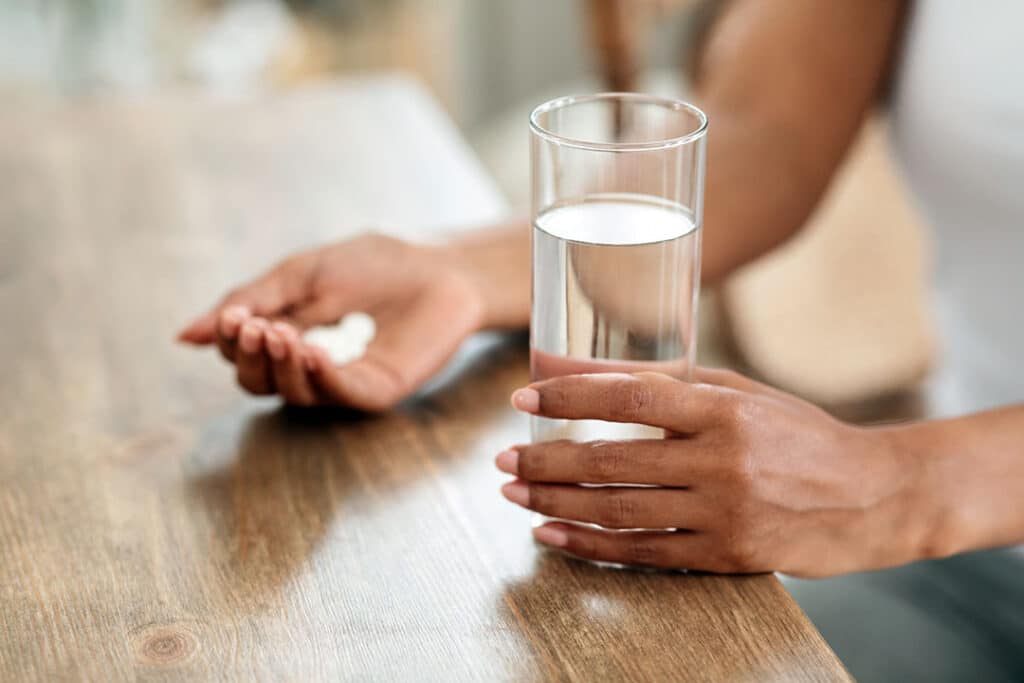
(786,87)
(970,473)
(757,196)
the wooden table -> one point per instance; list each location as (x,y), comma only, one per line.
(156,523)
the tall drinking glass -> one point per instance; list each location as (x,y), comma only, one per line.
(617,199)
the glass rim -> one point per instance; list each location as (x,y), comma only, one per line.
(597,146)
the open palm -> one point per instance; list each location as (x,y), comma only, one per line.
(424,305)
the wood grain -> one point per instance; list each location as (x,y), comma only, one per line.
(157,524)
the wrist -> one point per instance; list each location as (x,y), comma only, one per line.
(496,262)
(930,527)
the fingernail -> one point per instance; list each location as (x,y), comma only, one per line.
(508,461)
(310,361)
(552,534)
(526,400)
(232,319)
(275,345)
(284,329)
(517,491)
(250,338)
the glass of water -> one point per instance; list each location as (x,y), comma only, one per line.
(617,199)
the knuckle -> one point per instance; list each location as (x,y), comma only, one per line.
(617,508)
(730,408)
(632,398)
(605,461)
(740,414)
(740,553)
(740,444)
(554,395)
(643,551)
(584,545)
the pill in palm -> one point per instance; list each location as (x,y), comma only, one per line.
(347,340)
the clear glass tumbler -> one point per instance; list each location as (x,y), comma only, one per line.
(617,199)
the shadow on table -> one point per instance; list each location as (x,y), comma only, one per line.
(270,506)
(632,624)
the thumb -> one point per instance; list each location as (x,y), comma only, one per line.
(325,310)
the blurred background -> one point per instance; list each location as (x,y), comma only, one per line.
(470,54)
(785,319)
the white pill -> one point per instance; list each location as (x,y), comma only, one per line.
(358,326)
(346,341)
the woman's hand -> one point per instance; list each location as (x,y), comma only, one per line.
(424,300)
(753,479)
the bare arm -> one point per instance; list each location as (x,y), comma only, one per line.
(786,86)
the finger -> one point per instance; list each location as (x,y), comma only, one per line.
(322,374)
(251,362)
(661,549)
(276,347)
(646,398)
(267,295)
(229,325)
(658,462)
(411,344)
(612,507)
(288,366)
(205,329)
(202,330)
